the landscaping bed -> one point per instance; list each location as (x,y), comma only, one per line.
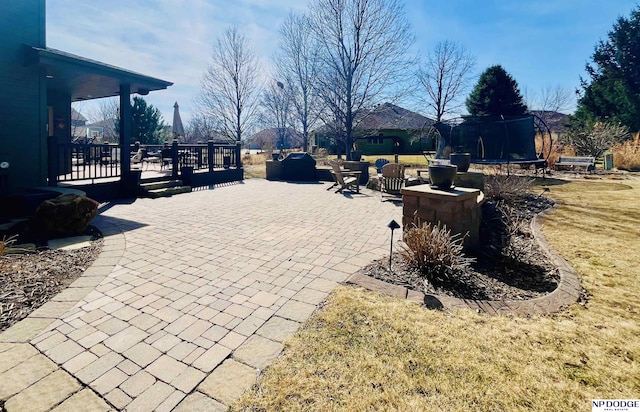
(523,272)
(30,279)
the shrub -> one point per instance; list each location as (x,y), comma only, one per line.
(434,251)
(506,187)
(254,159)
(594,139)
(627,155)
(6,243)
(514,228)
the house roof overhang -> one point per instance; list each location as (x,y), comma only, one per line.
(85,79)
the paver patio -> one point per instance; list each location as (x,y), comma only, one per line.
(190,295)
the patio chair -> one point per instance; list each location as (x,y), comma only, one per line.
(166,158)
(152,158)
(379,163)
(392,179)
(137,158)
(347,180)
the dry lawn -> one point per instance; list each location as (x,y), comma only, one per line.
(363,351)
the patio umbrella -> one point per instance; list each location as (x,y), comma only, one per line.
(177,129)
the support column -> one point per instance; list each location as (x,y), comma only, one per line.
(129,180)
(125,128)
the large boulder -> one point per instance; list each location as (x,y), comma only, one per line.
(65,215)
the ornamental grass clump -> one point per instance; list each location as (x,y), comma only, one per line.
(435,251)
(6,242)
(626,156)
(507,187)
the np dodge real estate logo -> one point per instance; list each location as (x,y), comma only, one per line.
(615,405)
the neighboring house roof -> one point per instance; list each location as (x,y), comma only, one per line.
(273,135)
(556,122)
(390,116)
(90,79)
(76,116)
(108,123)
(387,116)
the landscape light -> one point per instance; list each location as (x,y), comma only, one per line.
(393,225)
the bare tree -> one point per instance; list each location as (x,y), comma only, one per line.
(296,63)
(230,86)
(276,110)
(363,47)
(446,76)
(555,99)
(200,129)
(103,116)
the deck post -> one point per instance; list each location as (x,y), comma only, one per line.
(174,159)
(238,155)
(210,150)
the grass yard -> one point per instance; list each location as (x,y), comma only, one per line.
(363,351)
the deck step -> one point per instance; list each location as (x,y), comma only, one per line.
(160,185)
(166,188)
(165,192)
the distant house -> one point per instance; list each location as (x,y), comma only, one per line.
(41,83)
(556,122)
(385,129)
(78,125)
(276,138)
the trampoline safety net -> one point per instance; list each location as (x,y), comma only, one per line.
(490,139)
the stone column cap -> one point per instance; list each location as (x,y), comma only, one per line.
(457,194)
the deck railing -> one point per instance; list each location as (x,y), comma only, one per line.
(77,161)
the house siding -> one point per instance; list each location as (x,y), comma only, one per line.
(23,97)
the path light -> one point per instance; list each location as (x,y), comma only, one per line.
(392,225)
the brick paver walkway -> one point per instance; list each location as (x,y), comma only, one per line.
(191,297)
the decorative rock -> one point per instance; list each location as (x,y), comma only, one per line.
(66,215)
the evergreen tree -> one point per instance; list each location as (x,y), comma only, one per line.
(496,93)
(613,92)
(146,123)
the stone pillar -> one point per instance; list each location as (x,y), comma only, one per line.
(458,209)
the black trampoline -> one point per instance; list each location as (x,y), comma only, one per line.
(492,140)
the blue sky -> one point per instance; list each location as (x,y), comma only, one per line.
(539,42)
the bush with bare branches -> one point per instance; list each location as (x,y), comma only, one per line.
(506,187)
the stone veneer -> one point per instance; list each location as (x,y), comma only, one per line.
(458,209)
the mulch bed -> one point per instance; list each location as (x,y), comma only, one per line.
(493,276)
(28,280)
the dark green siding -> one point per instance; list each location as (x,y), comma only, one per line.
(382,143)
(23,108)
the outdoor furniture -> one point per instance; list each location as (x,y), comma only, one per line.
(165,158)
(347,180)
(105,156)
(392,179)
(152,158)
(379,163)
(137,157)
(589,163)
